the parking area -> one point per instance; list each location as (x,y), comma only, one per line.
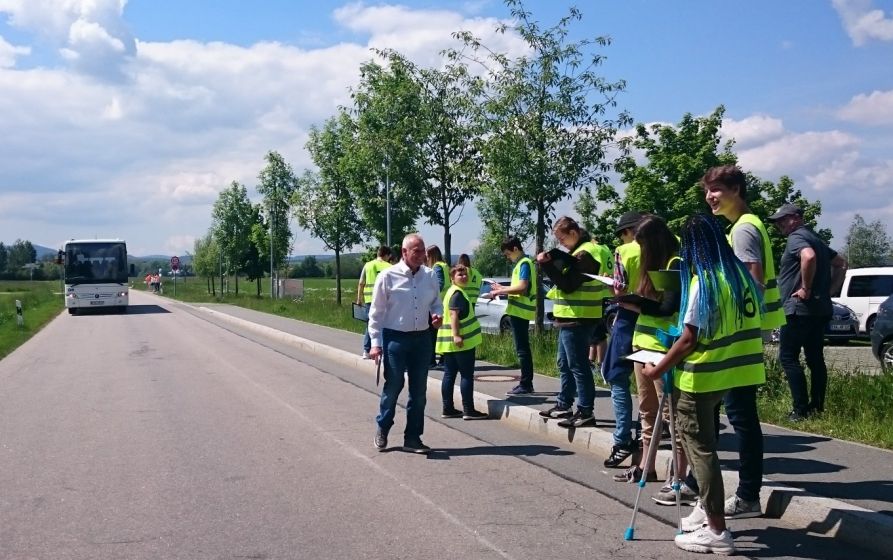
(852,356)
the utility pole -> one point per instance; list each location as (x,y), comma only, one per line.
(387,195)
(272,279)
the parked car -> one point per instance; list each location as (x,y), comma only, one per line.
(491,313)
(843,326)
(863,291)
(882,335)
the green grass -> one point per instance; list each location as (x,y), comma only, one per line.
(858,407)
(41,302)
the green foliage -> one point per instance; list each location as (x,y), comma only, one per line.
(488,257)
(19,254)
(4,257)
(765,197)
(867,244)
(206,259)
(41,303)
(234,218)
(309,268)
(276,185)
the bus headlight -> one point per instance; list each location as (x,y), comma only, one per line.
(122,294)
(72,295)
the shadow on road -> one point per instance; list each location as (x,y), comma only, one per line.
(510,450)
(145,309)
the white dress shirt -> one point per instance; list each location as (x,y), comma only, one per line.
(403,301)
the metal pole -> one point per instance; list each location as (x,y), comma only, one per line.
(272,280)
(387,190)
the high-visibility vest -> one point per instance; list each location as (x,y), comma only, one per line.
(473,288)
(469,328)
(446,276)
(586,301)
(605,259)
(648,328)
(732,356)
(774,316)
(371,270)
(630,255)
(523,306)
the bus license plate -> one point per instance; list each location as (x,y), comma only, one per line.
(97,302)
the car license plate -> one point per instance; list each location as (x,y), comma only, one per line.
(840,327)
(97,302)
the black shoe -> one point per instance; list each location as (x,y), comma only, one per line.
(475,415)
(415,446)
(556,412)
(380,441)
(519,390)
(619,454)
(451,413)
(796,416)
(578,420)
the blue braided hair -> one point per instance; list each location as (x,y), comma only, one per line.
(706,254)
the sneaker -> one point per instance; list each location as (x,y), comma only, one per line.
(415,446)
(695,520)
(736,508)
(519,390)
(451,413)
(475,415)
(633,475)
(557,412)
(366,355)
(619,454)
(380,441)
(667,496)
(796,416)
(705,540)
(578,420)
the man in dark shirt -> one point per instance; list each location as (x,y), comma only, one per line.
(805,282)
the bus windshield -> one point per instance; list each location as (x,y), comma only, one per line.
(95,262)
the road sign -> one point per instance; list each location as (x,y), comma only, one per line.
(175,263)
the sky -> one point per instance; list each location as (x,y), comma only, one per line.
(126,118)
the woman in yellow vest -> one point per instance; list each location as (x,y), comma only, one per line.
(442,273)
(719,347)
(457,338)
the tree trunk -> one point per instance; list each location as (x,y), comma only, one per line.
(338,277)
(447,243)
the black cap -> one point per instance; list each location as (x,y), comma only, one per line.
(628,220)
(787,209)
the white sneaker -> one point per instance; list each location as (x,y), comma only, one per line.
(695,520)
(366,355)
(705,540)
(736,508)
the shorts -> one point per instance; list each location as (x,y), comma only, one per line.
(599,332)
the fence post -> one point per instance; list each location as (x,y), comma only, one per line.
(19,319)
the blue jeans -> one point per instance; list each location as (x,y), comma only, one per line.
(617,371)
(808,333)
(741,409)
(407,352)
(367,341)
(521,336)
(463,364)
(575,373)
(621,398)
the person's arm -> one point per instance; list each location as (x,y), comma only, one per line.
(683,346)
(756,270)
(454,327)
(377,311)
(436,307)
(521,287)
(807,273)
(361,285)
(438,273)
(572,280)
(838,273)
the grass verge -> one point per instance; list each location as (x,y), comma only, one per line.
(40,304)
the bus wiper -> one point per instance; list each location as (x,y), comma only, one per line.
(74,279)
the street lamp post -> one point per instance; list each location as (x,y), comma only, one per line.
(387,195)
(272,280)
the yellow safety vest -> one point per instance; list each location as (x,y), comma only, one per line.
(586,301)
(732,356)
(469,328)
(630,255)
(446,276)
(473,289)
(370,272)
(523,306)
(774,316)
(646,335)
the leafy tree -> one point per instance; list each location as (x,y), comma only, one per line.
(546,115)
(323,203)
(255,257)
(206,260)
(765,197)
(385,152)
(277,183)
(233,217)
(19,254)
(488,257)
(308,268)
(4,258)
(867,244)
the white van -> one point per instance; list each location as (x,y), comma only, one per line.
(863,290)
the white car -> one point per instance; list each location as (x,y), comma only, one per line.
(491,313)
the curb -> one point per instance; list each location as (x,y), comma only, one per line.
(809,512)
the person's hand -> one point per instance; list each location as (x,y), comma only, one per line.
(803,294)
(436,320)
(457,340)
(650,371)
(543,257)
(375,353)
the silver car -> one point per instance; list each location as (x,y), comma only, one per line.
(491,313)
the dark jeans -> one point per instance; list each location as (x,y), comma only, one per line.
(575,373)
(617,370)
(463,364)
(741,409)
(521,336)
(407,352)
(806,333)
(367,341)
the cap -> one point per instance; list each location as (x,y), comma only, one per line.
(628,220)
(787,209)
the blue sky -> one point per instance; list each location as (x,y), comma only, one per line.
(125,119)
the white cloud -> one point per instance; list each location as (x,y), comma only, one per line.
(752,130)
(9,53)
(796,153)
(863,22)
(875,108)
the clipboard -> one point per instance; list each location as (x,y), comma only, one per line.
(634,299)
(561,259)
(360,312)
(665,280)
(645,356)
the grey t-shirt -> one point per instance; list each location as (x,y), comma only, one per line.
(790,280)
(747,243)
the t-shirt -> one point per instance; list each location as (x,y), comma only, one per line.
(747,243)
(790,280)
(460,304)
(691,311)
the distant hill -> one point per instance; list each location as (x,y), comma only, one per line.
(42,251)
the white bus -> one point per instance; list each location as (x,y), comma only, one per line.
(95,274)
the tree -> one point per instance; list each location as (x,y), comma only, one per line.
(233,217)
(277,183)
(488,257)
(4,258)
(765,197)
(867,244)
(547,129)
(309,268)
(206,259)
(323,203)
(19,254)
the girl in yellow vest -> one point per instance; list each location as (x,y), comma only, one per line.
(719,347)
(457,338)
(442,273)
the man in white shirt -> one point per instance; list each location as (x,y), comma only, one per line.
(405,300)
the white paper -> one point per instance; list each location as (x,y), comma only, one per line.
(603,279)
(646,356)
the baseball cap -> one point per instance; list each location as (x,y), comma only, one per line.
(628,220)
(787,209)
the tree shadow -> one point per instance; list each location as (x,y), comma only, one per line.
(782,542)
(875,490)
(499,450)
(775,443)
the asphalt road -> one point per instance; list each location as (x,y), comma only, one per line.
(158,434)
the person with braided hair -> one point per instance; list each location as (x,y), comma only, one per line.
(719,347)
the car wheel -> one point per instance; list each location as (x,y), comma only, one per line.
(869,325)
(505,325)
